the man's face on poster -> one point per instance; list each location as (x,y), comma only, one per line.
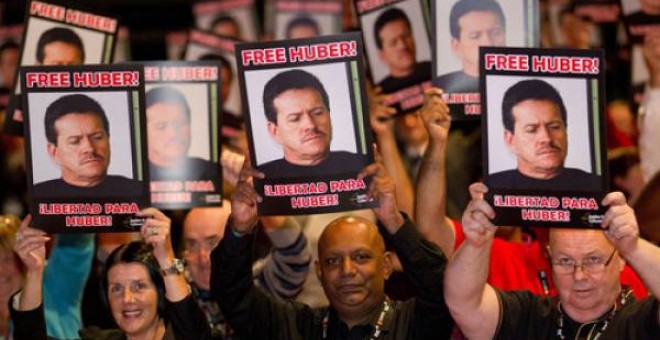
(168,130)
(539,139)
(398,47)
(477,28)
(83,148)
(303,126)
(302,31)
(227,28)
(62,53)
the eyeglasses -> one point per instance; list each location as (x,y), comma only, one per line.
(591,265)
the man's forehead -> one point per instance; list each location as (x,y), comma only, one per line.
(293,90)
(395,22)
(350,233)
(291,95)
(62,42)
(76,116)
(161,107)
(57,44)
(563,239)
(478,16)
(537,103)
(200,232)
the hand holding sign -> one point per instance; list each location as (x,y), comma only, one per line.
(244,200)
(383,189)
(232,163)
(30,245)
(620,223)
(435,115)
(156,232)
(382,115)
(477,227)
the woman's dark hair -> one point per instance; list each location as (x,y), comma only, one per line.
(135,252)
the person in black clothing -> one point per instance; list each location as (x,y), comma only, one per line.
(534,118)
(78,135)
(396,48)
(352,268)
(298,112)
(472,23)
(168,130)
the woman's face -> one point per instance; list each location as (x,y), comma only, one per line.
(133,298)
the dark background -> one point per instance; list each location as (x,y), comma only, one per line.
(147,20)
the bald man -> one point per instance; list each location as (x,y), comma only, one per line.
(281,274)
(370,266)
(352,267)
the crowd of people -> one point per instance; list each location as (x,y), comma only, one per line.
(426,263)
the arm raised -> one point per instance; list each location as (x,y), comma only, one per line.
(622,230)
(432,221)
(472,302)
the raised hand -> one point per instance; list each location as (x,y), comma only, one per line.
(383,189)
(381,115)
(156,232)
(620,223)
(435,115)
(477,227)
(244,199)
(231,165)
(30,245)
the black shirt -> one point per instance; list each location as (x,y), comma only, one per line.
(117,186)
(188,169)
(527,316)
(184,320)
(255,315)
(568,180)
(337,162)
(458,82)
(420,74)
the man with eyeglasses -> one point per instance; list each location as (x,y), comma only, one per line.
(281,274)
(591,304)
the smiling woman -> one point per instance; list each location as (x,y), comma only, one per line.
(142,284)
